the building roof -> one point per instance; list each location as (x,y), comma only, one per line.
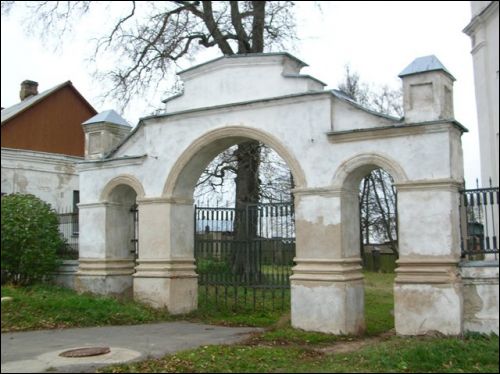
(14,110)
(109,116)
(424,64)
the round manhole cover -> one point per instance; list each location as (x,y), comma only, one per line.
(85,352)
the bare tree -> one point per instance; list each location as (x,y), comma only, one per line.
(148,38)
(378,209)
(217,182)
(378,197)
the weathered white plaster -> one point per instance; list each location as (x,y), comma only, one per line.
(335,309)
(159,292)
(92,238)
(428,96)
(347,117)
(422,308)
(226,80)
(318,209)
(66,274)
(433,215)
(481,299)
(114,285)
(329,144)
(49,176)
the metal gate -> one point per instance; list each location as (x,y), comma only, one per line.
(244,256)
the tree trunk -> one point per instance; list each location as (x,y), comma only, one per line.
(245,258)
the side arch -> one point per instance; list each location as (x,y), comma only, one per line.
(353,169)
(186,169)
(125,179)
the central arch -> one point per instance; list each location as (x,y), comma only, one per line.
(187,169)
(165,275)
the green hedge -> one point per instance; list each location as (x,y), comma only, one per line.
(30,239)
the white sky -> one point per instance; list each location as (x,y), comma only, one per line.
(378,40)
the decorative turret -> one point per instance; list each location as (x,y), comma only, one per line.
(103,132)
(427,91)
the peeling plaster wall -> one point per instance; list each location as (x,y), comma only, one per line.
(229,80)
(164,139)
(422,308)
(481,298)
(314,307)
(51,177)
(328,143)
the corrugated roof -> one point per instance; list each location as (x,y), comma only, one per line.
(109,116)
(14,110)
(423,64)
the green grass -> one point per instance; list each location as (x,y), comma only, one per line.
(413,355)
(44,306)
(47,307)
(233,306)
(280,348)
(379,302)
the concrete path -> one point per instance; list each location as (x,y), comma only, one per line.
(38,351)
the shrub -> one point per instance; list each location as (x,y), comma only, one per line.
(30,239)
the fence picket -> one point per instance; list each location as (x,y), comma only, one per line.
(256,260)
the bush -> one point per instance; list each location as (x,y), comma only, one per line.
(30,239)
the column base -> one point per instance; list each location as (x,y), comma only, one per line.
(171,284)
(428,298)
(328,296)
(105,277)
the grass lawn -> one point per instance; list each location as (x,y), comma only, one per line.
(48,307)
(280,348)
(473,354)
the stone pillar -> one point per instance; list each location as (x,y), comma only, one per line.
(428,288)
(103,268)
(327,293)
(165,275)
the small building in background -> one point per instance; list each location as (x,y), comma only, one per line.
(42,139)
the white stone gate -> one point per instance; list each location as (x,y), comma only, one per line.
(330,143)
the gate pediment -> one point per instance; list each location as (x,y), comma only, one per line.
(242,78)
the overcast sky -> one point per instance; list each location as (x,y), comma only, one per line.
(378,40)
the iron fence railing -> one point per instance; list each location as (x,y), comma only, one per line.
(244,256)
(68,227)
(479,223)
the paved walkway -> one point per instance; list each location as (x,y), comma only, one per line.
(38,351)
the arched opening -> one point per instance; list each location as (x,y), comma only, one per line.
(378,222)
(122,229)
(243,255)
(370,231)
(121,215)
(244,248)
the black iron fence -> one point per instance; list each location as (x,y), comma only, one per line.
(479,223)
(68,226)
(244,256)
